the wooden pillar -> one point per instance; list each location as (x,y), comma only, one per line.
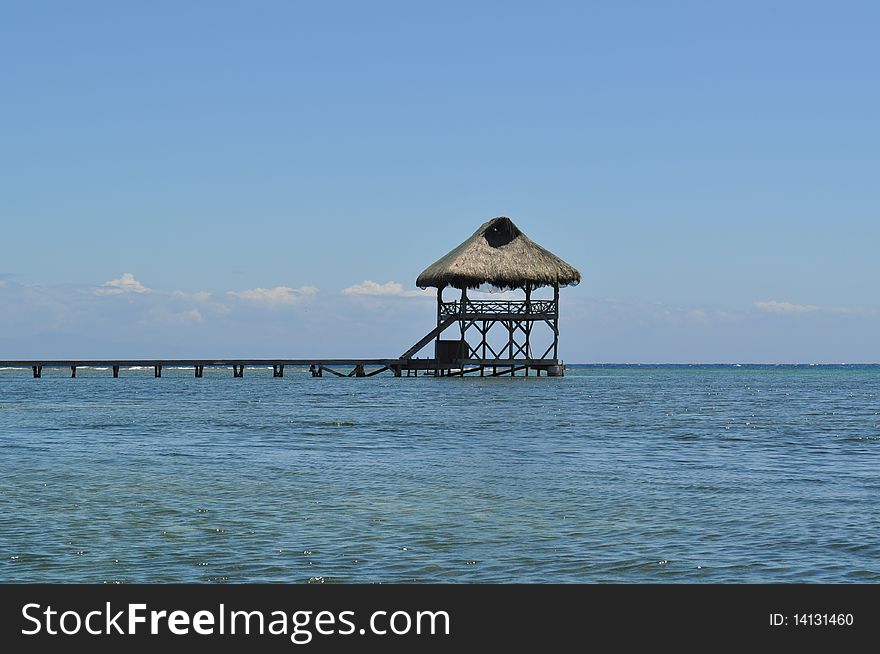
(359,370)
(556,320)
(463,309)
(439,304)
(396,370)
(509,325)
(38,371)
(528,323)
(115,372)
(278,370)
(157,370)
(199,370)
(238,370)
(72,372)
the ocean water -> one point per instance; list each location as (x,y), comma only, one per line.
(610,474)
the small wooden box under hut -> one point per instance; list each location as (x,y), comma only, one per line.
(497,336)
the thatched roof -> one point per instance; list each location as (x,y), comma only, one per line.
(499,255)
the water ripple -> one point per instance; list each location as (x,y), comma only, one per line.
(696,474)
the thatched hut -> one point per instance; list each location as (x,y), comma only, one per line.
(500,256)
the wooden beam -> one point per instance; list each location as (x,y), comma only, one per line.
(510,372)
(430,336)
(333,372)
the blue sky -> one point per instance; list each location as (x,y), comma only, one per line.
(711,169)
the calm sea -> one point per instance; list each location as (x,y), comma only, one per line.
(611,474)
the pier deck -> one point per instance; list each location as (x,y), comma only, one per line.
(317,367)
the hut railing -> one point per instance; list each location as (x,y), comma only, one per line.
(510,307)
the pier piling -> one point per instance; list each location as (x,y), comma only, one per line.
(115,372)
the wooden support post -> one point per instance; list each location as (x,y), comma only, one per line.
(439,319)
(462,311)
(115,372)
(157,370)
(359,370)
(527,328)
(396,370)
(439,303)
(509,325)
(72,372)
(527,323)
(199,370)
(556,320)
(238,371)
(335,373)
(38,371)
(278,370)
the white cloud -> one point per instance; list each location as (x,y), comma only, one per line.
(369,287)
(198,296)
(494,294)
(125,284)
(772,306)
(193,315)
(280,295)
(165,315)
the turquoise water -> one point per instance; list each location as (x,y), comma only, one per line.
(611,474)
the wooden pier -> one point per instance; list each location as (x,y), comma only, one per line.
(492,337)
(316,367)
